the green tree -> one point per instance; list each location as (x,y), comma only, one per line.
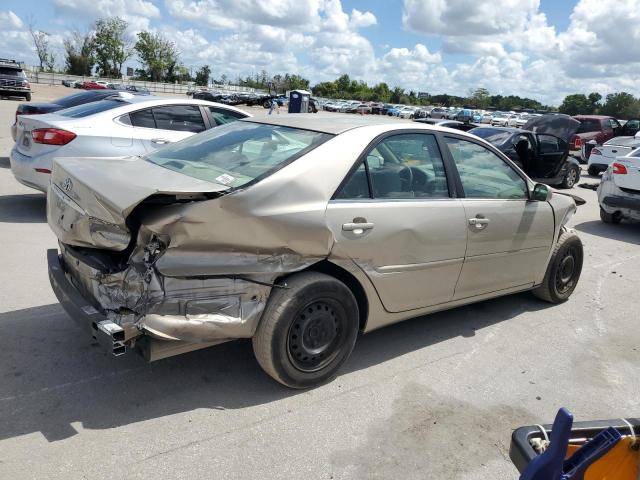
(79,59)
(43,50)
(111,46)
(202,75)
(480,97)
(576,104)
(594,98)
(621,105)
(158,56)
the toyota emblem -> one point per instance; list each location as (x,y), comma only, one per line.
(67,184)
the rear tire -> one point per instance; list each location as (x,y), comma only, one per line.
(307,331)
(610,217)
(571,178)
(563,271)
(593,171)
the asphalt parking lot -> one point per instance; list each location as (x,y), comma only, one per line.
(433,397)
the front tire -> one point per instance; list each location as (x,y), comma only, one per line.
(27,97)
(563,271)
(307,331)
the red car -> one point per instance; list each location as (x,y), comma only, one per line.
(91,85)
(600,128)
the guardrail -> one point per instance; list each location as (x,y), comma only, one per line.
(50,78)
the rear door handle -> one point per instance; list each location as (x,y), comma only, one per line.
(160,141)
(357,228)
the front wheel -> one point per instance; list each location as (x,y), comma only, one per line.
(307,330)
(563,271)
(27,97)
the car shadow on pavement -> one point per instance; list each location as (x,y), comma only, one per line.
(4,162)
(26,208)
(624,232)
(52,376)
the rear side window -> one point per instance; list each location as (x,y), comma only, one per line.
(87,109)
(222,116)
(181,118)
(589,125)
(399,167)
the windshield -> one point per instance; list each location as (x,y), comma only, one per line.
(238,153)
(491,135)
(12,72)
(87,109)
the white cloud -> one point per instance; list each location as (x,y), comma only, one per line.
(137,13)
(9,20)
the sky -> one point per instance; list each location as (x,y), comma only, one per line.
(542,49)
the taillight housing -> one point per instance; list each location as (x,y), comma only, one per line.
(52,136)
(618,168)
(577,142)
(595,151)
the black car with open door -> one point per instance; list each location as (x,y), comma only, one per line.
(540,148)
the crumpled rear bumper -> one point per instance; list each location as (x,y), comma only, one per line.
(181,322)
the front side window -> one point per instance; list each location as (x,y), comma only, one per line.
(237,153)
(399,167)
(483,174)
(181,118)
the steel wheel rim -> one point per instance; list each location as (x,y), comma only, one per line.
(316,335)
(565,274)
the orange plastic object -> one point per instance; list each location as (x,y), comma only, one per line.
(620,463)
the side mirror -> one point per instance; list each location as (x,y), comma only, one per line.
(541,193)
(374,162)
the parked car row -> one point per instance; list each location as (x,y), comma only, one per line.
(104,85)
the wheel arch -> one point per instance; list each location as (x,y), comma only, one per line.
(352,283)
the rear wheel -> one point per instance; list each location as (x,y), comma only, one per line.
(307,330)
(563,271)
(593,171)
(571,177)
(615,217)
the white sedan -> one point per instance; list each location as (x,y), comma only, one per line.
(112,127)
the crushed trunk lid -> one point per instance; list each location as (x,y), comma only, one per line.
(90,198)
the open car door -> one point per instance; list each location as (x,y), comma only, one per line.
(551,153)
(630,128)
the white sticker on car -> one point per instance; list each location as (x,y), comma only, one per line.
(225,179)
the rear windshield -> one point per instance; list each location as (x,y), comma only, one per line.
(589,125)
(87,109)
(236,154)
(491,135)
(78,98)
(13,72)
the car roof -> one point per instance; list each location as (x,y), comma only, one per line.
(505,129)
(594,117)
(336,124)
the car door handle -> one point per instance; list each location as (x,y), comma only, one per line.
(479,222)
(160,141)
(357,228)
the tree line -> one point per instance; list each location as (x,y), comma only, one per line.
(620,105)
(348,89)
